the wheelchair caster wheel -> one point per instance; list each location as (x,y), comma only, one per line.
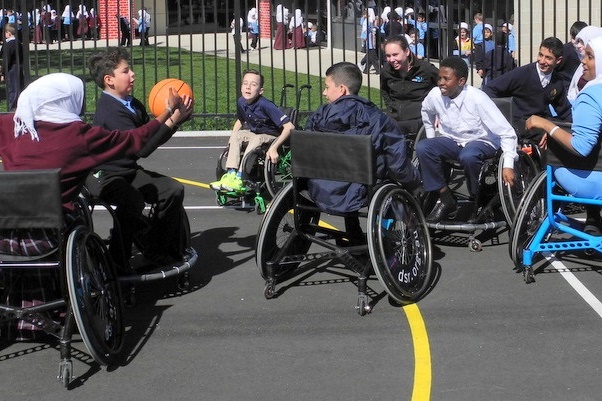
(475,245)
(362,307)
(65,372)
(183,282)
(528,275)
(269,291)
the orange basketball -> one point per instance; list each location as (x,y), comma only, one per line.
(160,92)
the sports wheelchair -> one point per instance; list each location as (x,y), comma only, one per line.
(495,204)
(549,221)
(262,179)
(72,255)
(398,245)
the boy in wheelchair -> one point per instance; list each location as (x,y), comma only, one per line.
(350,114)
(123,183)
(266,123)
(462,125)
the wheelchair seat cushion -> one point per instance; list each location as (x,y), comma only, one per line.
(26,243)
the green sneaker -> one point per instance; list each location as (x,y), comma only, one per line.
(217,185)
(232,183)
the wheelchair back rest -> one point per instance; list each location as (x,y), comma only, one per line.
(505,104)
(30,199)
(333,156)
(292,114)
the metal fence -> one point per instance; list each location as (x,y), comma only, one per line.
(201,48)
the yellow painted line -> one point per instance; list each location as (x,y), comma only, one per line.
(422,354)
(189,182)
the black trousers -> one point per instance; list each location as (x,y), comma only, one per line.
(128,191)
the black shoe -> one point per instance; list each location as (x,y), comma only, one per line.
(592,229)
(443,211)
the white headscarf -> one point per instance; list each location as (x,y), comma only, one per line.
(252,15)
(586,35)
(385,14)
(297,20)
(281,14)
(67,12)
(54,98)
(596,45)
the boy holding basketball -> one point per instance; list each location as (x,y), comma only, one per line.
(125,184)
(266,123)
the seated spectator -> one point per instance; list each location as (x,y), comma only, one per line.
(314,37)
(266,123)
(534,87)
(349,114)
(470,129)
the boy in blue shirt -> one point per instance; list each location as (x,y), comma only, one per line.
(266,123)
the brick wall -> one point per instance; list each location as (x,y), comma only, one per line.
(108,10)
(265,19)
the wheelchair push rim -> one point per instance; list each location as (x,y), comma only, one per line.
(95,295)
(399,244)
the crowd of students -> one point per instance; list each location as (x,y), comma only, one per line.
(47,25)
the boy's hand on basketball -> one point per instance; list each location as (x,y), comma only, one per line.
(185,109)
(173,100)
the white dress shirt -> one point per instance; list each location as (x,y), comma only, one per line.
(471,116)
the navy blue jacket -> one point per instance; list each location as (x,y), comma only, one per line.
(353,115)
(530,98)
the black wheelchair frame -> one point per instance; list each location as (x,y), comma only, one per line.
(91,296)
(398,243)
(134,276)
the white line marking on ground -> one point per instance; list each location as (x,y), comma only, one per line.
(576,284)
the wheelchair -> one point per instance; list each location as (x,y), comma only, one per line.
(262,179)
(549,221)
(137,272)
(398,245)
(72,255)
(495,205)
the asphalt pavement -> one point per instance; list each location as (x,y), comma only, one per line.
(480,334)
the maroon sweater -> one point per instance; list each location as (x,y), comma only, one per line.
(76,148)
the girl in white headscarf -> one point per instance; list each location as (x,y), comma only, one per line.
(581,40)
(296,26)
(281,39)
(253,26)
(580,146)
(49,133)
(82,21)
(67,20)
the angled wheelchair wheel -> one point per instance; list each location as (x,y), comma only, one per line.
(525,170)
(220,168)
(277,175)
(277,230)
(94,294)
(399,244)
(531,212)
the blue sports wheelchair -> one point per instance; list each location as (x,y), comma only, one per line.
(295,235)
(550,221)
(39,240)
